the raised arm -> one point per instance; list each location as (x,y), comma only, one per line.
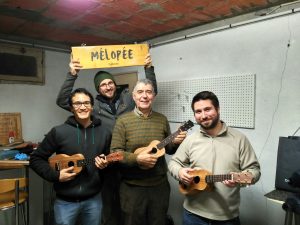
(149,71)
(67,87)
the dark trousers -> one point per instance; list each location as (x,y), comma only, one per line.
(193,219)
(144,205)
(111,211)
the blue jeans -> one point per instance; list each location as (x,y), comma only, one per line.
(88,211)
(193,219)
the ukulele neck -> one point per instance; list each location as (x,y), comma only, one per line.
(217,178)
(167,140)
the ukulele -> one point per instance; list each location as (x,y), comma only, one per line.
(63,161)
(157,148)
(203,180)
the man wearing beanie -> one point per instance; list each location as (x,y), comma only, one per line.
(109,105)
(109,102)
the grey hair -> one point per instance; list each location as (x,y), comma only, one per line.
(145,82)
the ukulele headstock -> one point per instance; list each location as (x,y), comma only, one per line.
(243,178)
(187,125)
(115,156)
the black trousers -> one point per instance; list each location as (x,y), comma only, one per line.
(111,210)
(144,205)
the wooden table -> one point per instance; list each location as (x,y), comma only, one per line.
(18,164)
(13,164)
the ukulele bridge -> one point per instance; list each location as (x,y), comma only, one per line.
(57,166)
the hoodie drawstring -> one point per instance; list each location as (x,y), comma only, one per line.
(93,134)
(78,134)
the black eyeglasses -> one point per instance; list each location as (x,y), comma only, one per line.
(86,104)
(110,84)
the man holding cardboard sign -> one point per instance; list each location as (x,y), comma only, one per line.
(109,104)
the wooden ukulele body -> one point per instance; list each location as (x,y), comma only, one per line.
(152,149)
(63,161)
(204,180)
(198,183)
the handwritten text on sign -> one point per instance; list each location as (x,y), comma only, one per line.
(107,56)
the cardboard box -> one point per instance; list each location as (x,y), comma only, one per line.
(10,128)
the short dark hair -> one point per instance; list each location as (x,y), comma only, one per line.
(80,91)
(204,95)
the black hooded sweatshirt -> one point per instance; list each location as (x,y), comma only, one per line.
(71,138)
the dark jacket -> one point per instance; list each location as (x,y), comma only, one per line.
(123,101)
(71,138)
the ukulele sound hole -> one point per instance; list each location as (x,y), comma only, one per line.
(154,150)
(71,163)
(196,179)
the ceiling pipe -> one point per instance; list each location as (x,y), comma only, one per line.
(230,23)
(35,44)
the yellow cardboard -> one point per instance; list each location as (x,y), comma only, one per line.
(107,56)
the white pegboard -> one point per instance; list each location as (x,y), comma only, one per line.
(236,95)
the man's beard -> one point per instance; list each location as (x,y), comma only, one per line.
(213,124)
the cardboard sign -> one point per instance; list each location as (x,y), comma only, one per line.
(10,128)
(107,56)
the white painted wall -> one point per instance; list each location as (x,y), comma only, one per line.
(39,113)
(259,48)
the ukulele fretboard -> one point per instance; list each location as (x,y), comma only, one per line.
(217,178)
(167,140)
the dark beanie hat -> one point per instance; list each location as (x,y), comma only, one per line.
(100,76)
